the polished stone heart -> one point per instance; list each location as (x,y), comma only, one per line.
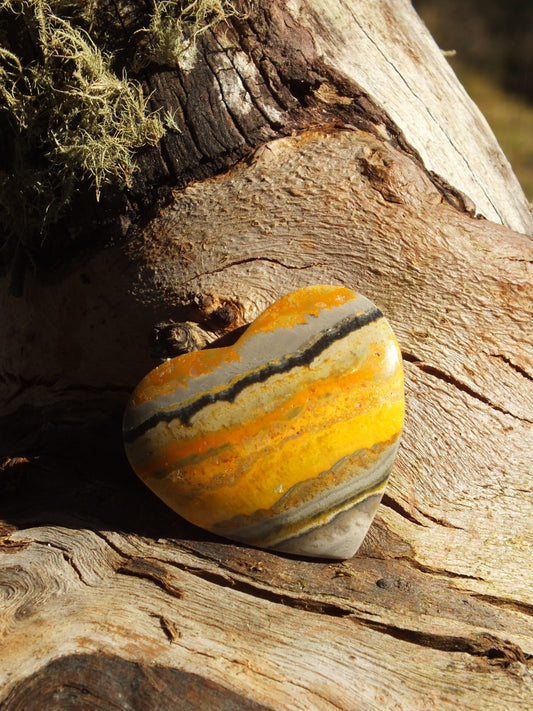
(284,440)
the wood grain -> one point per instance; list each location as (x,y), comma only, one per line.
(439,599)
(108,599)
(387,48)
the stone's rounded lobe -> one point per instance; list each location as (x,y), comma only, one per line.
(284,440)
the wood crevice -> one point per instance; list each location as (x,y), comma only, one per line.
(251,260)
(518,369)
(395,505)
(437,572)
(505,603)
(459,385)
(154,570)
(497,652)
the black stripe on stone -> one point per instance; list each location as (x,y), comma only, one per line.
(306,357)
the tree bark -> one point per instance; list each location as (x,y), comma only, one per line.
(321,142)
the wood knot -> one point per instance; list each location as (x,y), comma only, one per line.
(217,314)
(225,316)
(170,339)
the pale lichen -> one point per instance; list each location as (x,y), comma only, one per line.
(69,116)
(176,24)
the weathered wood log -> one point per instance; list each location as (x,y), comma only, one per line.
(112,601)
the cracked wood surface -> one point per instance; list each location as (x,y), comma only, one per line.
(436,609)
(109,600)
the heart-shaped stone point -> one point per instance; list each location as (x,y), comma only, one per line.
(284,440)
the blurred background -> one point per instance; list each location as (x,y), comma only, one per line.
(493,43)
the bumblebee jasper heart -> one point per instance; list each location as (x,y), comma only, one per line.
(284,440)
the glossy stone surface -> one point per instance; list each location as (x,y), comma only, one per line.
(284,440)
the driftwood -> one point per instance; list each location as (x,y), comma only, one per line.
(109,600)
